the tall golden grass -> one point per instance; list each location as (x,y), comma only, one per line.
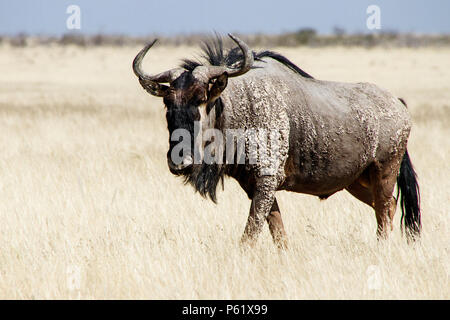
(88,208)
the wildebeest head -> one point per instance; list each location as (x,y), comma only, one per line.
(190,97)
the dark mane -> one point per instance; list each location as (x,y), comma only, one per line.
(214,54)
(283,60)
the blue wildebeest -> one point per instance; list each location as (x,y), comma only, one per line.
(330,136)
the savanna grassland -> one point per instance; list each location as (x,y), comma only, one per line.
(89,209)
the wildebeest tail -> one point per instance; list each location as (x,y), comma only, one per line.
(408,188)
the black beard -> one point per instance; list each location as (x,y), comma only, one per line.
(205,178)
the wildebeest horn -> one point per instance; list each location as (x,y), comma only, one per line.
(166,76)
(215,71)
(248,58)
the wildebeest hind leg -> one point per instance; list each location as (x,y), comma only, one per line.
(276,226)
(374,192)
(383,179)
(361,193)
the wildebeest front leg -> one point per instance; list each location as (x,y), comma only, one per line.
(261,206)
(276,226)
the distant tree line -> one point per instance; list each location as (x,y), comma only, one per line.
(303,37)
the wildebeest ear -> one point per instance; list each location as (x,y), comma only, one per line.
(154,88)
(218,86)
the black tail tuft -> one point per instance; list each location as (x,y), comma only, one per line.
(408,188)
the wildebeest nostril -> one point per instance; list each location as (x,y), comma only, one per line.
(187,161)
(179,165)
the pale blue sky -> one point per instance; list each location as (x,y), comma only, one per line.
(142,17)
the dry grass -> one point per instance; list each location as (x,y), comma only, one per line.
(88,208)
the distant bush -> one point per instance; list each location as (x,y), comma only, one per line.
(76,39)
(305,36)
(19,41)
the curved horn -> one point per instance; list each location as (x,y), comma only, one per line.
(248,58)
(166,76)
(215,71)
